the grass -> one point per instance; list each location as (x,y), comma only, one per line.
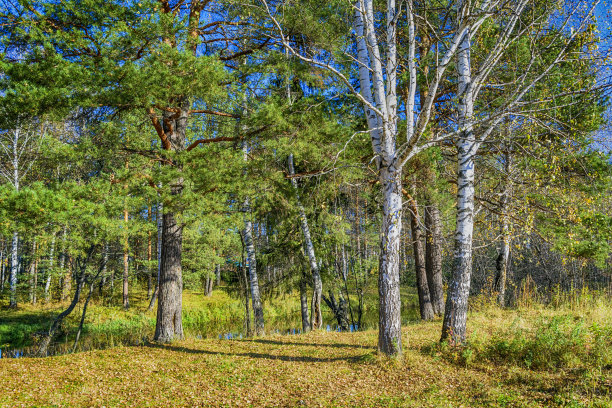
(342,369)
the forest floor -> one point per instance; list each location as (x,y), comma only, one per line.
(548,357)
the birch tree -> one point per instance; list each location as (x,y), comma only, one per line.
(17,155)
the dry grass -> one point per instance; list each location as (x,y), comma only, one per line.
(316,369)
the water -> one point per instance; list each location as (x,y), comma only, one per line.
(290,332)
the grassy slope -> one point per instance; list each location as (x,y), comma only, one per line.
(317,369)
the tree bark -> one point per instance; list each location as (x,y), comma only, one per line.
(389,315)
(44,345)
(14,268)
(304,305)
(2,267)
(503,259)
(67,287)
(33,273)
(169,325)
(251,261)
(316,314)
(160,224)
(126,257)
(455,314)
(433,257)
(50,269)
(149,257)
(425,306)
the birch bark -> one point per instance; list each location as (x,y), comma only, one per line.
(504,257)
(50,269)
(251,261)
(455,314)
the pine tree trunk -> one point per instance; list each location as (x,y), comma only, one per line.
(433,257)
(389,318)
(316,313)
(425,306)
(170,298)
(169,325)
(218,274)
(14,268)
(455,314)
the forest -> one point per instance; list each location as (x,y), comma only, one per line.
(381,203)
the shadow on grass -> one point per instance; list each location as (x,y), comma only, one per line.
(291,343)
(304,359)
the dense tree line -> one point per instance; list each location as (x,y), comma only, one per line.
(303,147)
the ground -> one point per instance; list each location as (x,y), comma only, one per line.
(312,370)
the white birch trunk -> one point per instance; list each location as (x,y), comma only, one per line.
(14,268)
(50,269)
(455,314)
(252,263)
(389,330)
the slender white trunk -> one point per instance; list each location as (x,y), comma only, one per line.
(50,269)
(14,268)
(455,314)
(316,314)
(2,268)
(15,243)
(251,263)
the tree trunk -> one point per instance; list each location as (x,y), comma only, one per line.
(339,309)
(218,274)
(433,257)
(170,299)
(160,225)
(104,268)
(14,268)
(62,262)
(67,287)
(2,268)
(304,305)
(81,267)
(389,313)
(247,311)
(425,305)
(251,262)
(316,314)
(455,314)
(50,269)
(149,257)
(504,255)
(33,274)
(251,265)
(126,265)
(169,324)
